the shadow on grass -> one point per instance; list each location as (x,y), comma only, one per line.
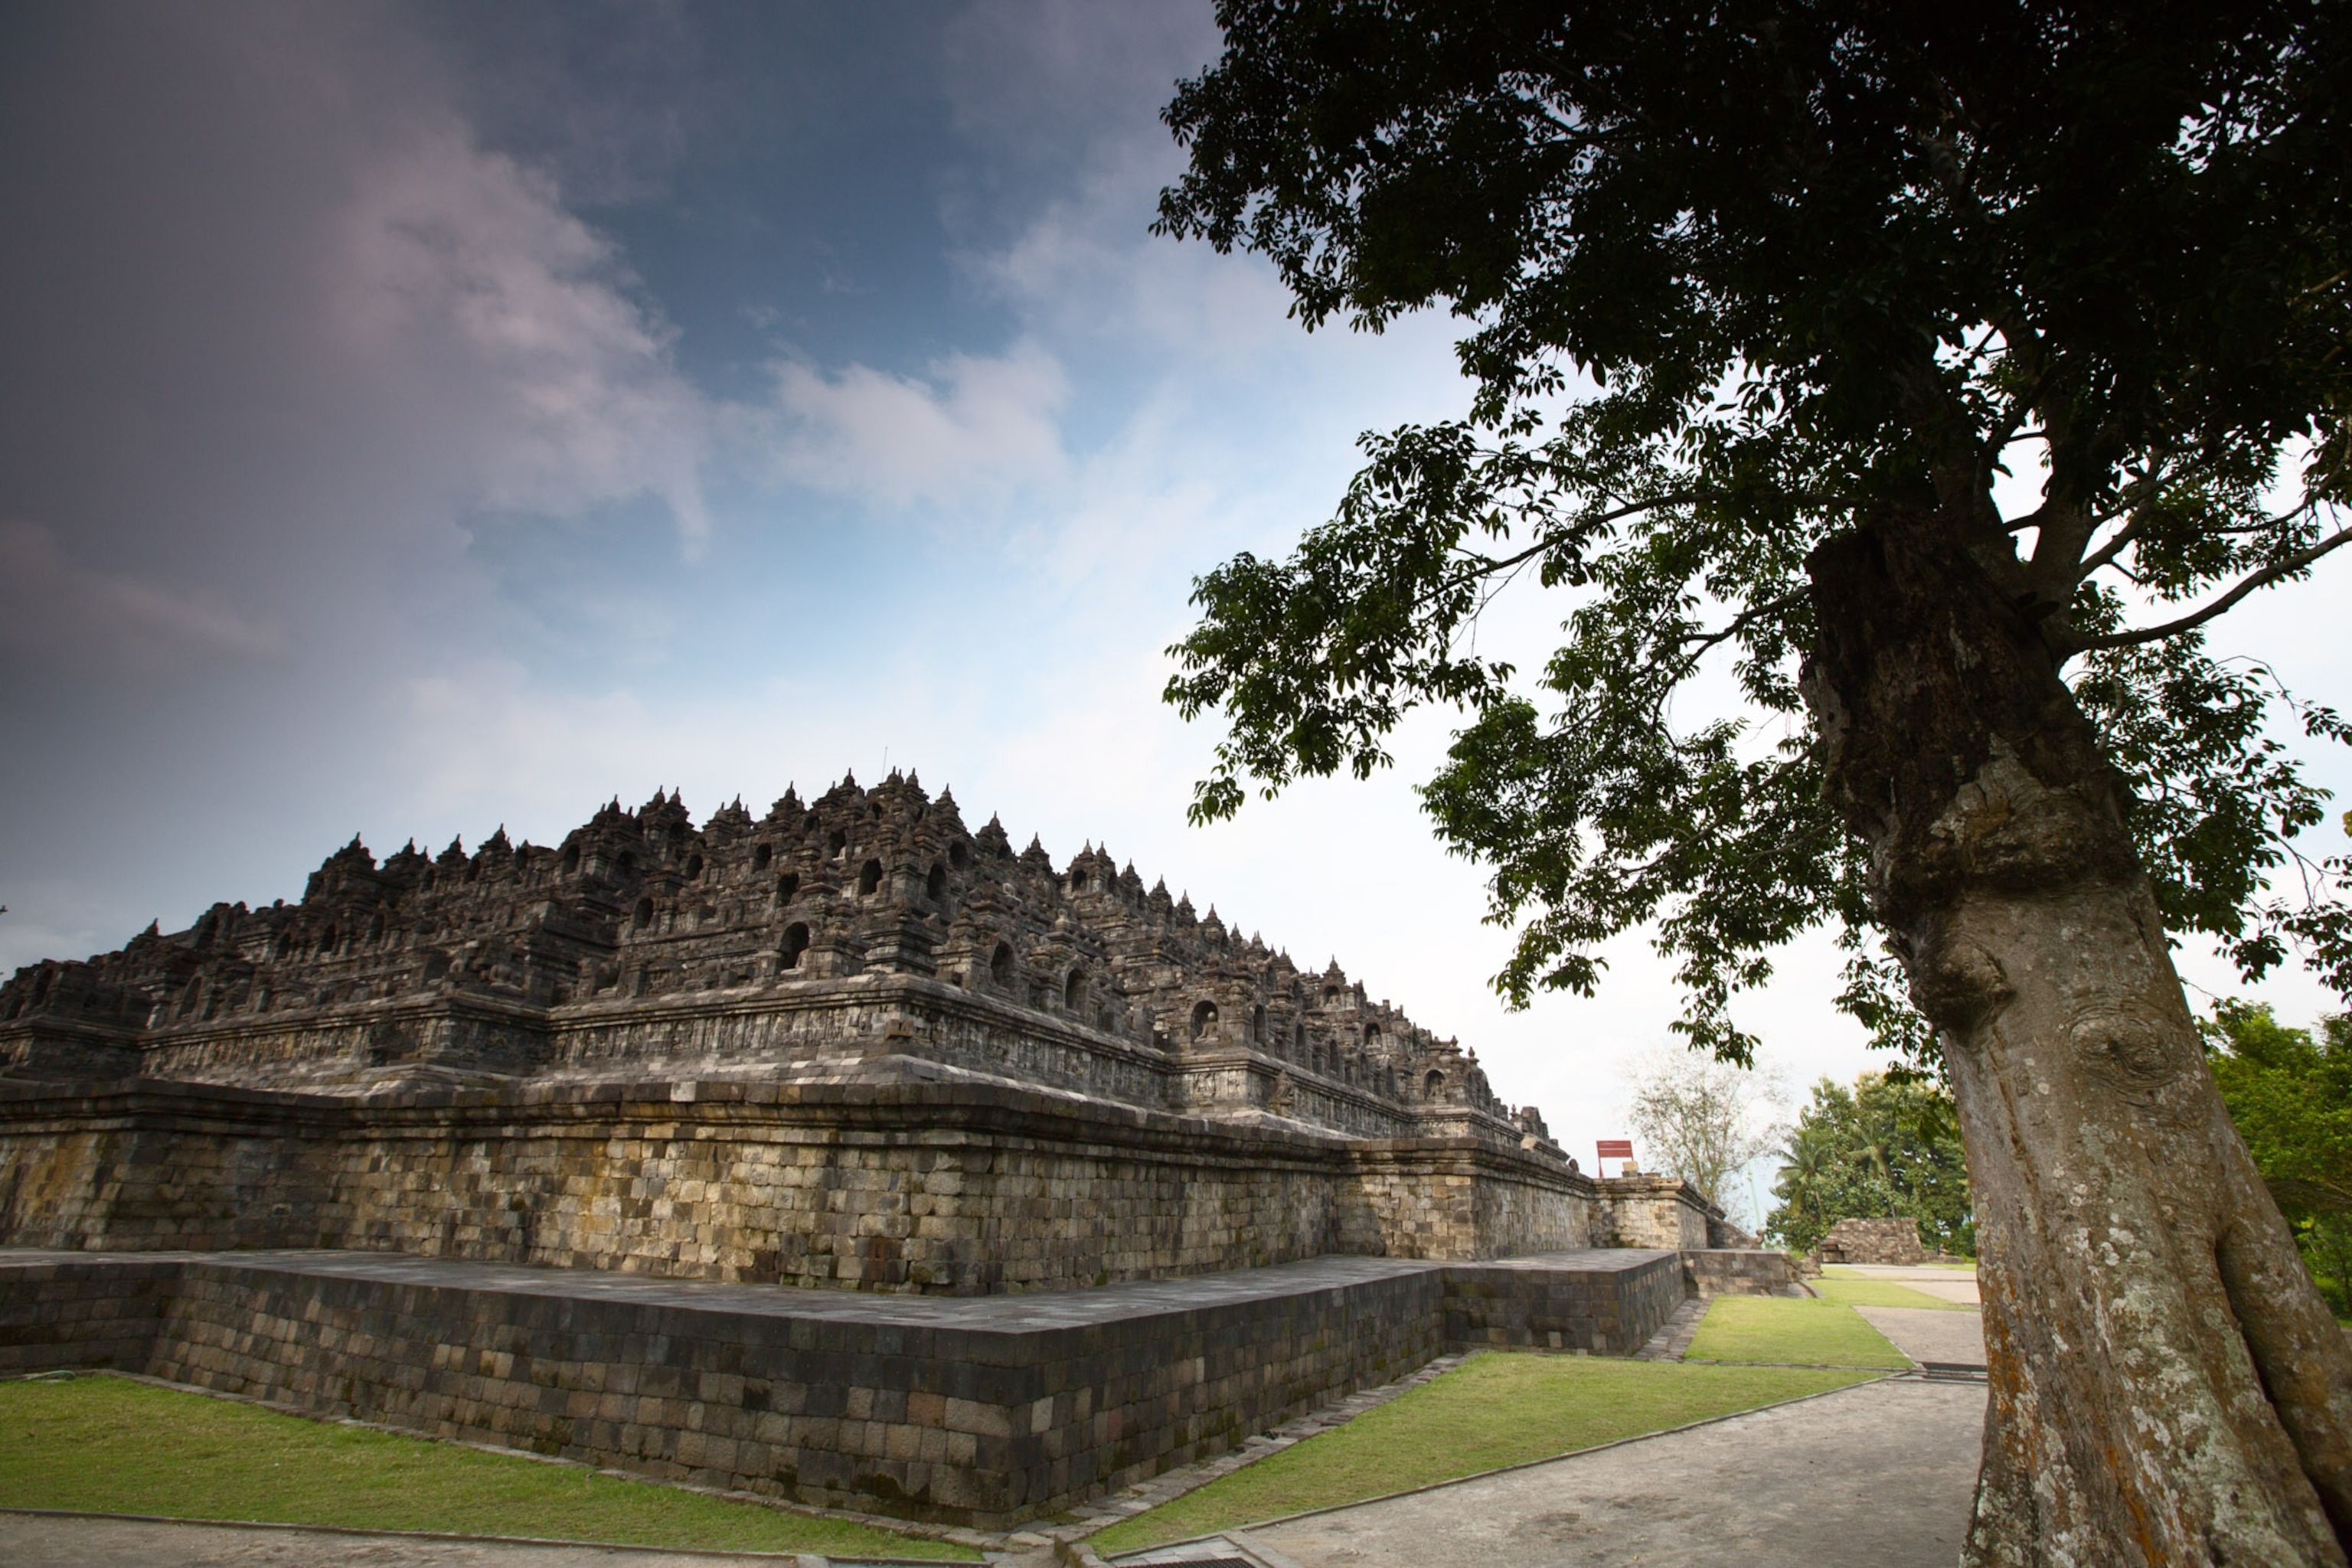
(1495,1409)
(108,1444)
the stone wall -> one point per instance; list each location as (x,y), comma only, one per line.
(1740,1271)
(1872,1241)
(1462,1198)
(849,1043)
(762,1030)
(1606,1302)
(58,1314)
(986,1412)
(946,1186)
(1656,1212)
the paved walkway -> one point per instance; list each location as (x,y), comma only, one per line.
(1934,1337)
(1931,1336)
(1877,1476)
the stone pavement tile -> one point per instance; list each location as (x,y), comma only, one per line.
(38,1541)
(1930,1334)
(1877,1476)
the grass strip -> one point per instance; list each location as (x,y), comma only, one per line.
(1783,1331)
(1851,1271)
(1495,1409)
(1882,1293)
(108,1444)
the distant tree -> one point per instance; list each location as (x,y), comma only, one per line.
(1702,1120)
(1761,299)
(1888,1147)
(1813,1167)
(2290,1092)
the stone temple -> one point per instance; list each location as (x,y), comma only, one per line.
(840,1153)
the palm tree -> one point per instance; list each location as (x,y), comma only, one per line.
(1810,1157)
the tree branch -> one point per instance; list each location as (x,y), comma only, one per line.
(1700,642)
(1488,565)
(2261,579)
(2109,551)
(2056,567)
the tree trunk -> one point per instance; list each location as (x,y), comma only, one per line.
(2167,1385)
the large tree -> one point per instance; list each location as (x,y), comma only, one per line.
(1760,300)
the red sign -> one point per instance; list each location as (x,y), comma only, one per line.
(1616,1148)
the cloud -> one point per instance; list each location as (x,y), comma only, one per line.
(283,329)
(52,609)
(1085,265)
(974,428)
(1041,81)
(465,266)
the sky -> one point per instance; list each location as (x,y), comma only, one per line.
(419,419)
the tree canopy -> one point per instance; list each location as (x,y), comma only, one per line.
(1735,278)
(1886,1146)
(2290,1092)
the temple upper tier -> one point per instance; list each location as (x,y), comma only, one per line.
(858,929)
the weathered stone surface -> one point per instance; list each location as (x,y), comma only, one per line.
(1609,1301)
(846,1044)
(1872,1241)
(984,1412)
(1740,1271)
(645,946)
(948,1184)
(1659,1211)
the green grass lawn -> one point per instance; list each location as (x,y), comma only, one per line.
(107,1445)
(1848,1271)
(1882,1293)
(1783,1329)
(1495,1409)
